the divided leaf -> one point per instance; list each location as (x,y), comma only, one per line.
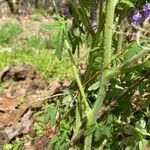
(50,114)
(51,26)
(132,51)
(94,86)
(90,129)
(59,43)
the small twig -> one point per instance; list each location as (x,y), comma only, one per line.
(103,144)
(78,80)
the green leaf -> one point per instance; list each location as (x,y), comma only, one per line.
(90,129)
(17,144)
(132,51)
(83,16)
(141,124)
(39,129)
(143,144)
(127,3)
(74,40)
(51,26)
(94,86)
(67,99)
(65,126)
(59,43)
(7,147)
(97,64)
(50,115)
(130,130)
(131,140)
(102,130)
(143,132)
(53,115)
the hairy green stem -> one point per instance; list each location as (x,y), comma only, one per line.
(103,144)
(120,40)
(95,41)
(121,36)
(111,4)
(78,80)
(78,114)
(87,74)
(108,33)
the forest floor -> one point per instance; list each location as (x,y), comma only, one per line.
(31,78)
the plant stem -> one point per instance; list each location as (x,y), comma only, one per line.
(110,6)
(103,144)
(95,41)
(78,80)
(78,114)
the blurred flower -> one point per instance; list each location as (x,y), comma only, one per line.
(146,11)
(94,25)
(59,4)
(141,16)
(66,13)
(137,19)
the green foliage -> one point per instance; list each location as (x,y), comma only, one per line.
(136,139)
(36,42)
(107,86)
(7,146)
(37,16)
(50,115)
(100,91)
(8,32)
(39,130)
(126,3)
(132,51)
(62,139)
(61,35)
(90,129)
(51,26)
(15,145)
(43,60)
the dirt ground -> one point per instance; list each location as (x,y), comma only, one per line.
(28,24)
(25,90)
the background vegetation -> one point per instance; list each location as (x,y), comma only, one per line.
(103,47)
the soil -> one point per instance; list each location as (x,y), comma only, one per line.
(25,90)
(25,76)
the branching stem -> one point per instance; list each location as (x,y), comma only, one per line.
(108,33)
(78,80)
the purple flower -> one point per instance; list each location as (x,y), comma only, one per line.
(66,13)
(141,16)
(146,11)
(94,25)
(137,19)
